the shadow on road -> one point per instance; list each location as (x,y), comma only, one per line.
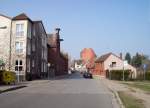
(75,75)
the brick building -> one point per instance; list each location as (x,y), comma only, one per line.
(88,57)
(57,59)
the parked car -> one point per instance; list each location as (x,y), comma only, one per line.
(87,75)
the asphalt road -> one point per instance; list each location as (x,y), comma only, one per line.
(70,92)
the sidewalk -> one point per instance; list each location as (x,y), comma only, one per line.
(116,86)
(6,88)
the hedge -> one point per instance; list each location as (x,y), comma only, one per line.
(7,77)
(147,75)
(118,74)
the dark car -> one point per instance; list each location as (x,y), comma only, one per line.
(87,75)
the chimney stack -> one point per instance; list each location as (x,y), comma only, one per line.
(57,30)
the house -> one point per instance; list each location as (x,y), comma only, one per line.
(57,59)
(79,66)
(24,46)
(111,61)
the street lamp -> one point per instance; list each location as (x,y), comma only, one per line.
(111,66)
(48,68)
(125,63)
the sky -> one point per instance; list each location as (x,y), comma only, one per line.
(117,26)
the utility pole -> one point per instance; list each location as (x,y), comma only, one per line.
(123,71)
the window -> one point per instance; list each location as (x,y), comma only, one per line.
(18,65)
(29,48)
(29,30)
(28,65)
(34,31)
(33,46)
(41,67)
(32,63)
(113,64)
(42,53)
(19,30)
(19,47)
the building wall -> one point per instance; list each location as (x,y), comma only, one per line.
(87,55)
(119,65)
(34,39)
(5,40)
(110,59)
(39,56)
(15,56)
(55,58)
(99,69)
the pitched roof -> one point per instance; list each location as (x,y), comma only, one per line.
(40,21)
(5,16)
(51,39)
(103,57)
(21,16)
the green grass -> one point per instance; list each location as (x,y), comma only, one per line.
(130,101)
(143,85)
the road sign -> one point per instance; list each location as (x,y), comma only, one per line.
(144,66)
(125,63)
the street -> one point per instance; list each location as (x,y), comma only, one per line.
(70,92)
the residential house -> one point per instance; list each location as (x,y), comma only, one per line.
(25,46)
(109,62)
(79,66)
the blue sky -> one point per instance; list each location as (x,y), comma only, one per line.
(104,25)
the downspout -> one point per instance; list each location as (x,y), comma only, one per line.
(10,46)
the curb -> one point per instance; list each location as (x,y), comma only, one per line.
(11,89)
(117,97)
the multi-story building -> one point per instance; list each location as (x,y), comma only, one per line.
(24,46)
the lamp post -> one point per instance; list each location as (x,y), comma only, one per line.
(110,71)
(125,63)
(48,69)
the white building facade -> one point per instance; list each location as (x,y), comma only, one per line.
(21,46)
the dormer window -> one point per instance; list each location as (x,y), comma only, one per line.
(113,64)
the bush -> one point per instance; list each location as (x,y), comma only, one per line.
(7,77)
(118,74)
(147,75)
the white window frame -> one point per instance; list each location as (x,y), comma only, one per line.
(19,30)
(19,48)
(18,66)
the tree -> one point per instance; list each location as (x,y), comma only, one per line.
(128,58)
(137,60)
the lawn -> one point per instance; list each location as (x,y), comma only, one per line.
(130,101)
(143,85)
